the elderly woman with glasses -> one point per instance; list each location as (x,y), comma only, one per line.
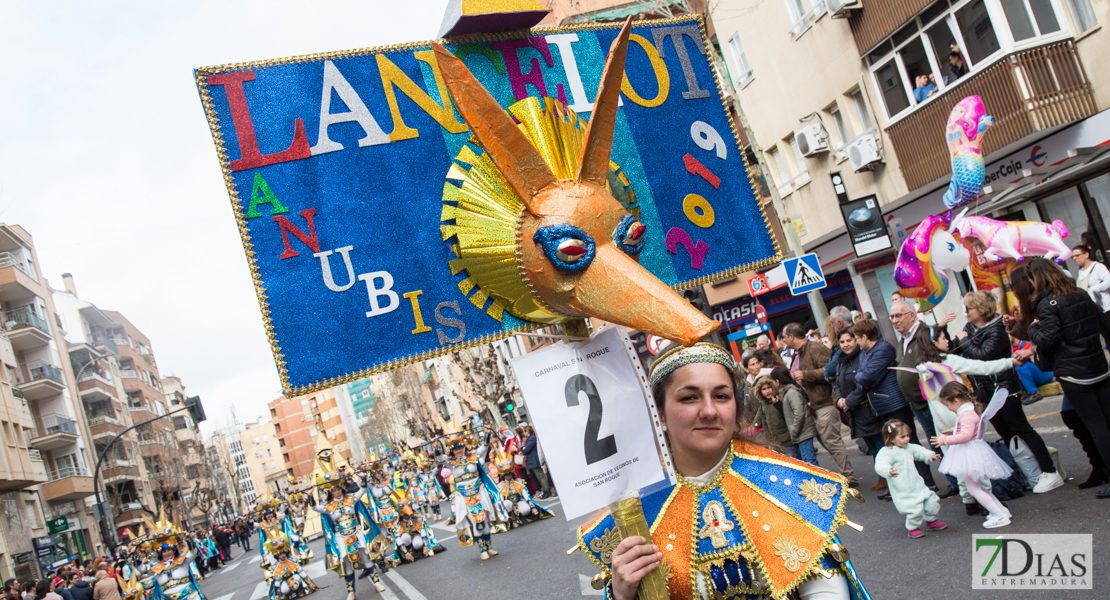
(985,338)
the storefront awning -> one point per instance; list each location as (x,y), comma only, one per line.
(1037,182)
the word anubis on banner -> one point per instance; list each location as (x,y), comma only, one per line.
(262,194)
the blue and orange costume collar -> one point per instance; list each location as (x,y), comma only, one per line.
(762,526)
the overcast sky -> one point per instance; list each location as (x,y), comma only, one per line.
(106,158)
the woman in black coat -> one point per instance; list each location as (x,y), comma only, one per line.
(1063,322)
(985,338)
(862,421)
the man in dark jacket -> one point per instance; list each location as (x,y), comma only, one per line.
(914,336)
(79,588)
(532,453)
(223,540)
(808,369)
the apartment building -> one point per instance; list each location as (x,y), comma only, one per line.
(162,470)
(263,457)
(46,435)
(93,341)
(227,463)
(848,103)
(296,422)
(196,486)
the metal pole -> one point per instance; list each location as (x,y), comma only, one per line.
(110,538)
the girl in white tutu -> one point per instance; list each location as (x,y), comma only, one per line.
(968,455)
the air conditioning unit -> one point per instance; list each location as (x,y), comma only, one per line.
(839,8)
(863,152)
(811,140)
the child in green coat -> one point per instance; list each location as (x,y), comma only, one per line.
(895,462)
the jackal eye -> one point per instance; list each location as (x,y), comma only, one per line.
(630,235)
(567,247)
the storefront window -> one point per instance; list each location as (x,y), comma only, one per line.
(977,30)
(1067,206)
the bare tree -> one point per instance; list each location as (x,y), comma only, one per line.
(482,376)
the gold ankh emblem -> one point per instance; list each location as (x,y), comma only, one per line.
(716,524)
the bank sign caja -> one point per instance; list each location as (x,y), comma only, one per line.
(344,171)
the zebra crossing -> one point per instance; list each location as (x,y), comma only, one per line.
(401,588)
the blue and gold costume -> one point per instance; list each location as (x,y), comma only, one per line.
(476,504)
(171,579)
(287,579)
(763,526)
(515,499)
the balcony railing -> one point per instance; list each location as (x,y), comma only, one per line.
(128,374)
(1026,91)
(100,339)
(11,259)
(807,20)
(880,18)
(34,454)
(55,423)
(23,317)
(68,471)
(40,369)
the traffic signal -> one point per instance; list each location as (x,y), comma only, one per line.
(196,409)
(510,407)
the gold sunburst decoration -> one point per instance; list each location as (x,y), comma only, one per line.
(482,212)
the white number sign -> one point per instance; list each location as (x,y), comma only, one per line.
(588,409)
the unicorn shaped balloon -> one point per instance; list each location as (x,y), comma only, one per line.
(1016,239)
(542,231)
(923,258)
(967,126)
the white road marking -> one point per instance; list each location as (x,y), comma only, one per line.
(230,567)
(256,558)
(315,570)
(387,594)
(260,591)
(226,597)
(404,586)
(444,527)
(587,589)
(555,503)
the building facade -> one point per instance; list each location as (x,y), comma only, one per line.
(197,493)
(263,457)
(857,94)
(296,422)
(46,429)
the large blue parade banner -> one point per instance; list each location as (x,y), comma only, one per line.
(345,170)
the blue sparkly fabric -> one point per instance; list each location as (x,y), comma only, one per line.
(384,200)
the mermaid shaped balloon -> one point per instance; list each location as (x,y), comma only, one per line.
(967,126)
(931,249)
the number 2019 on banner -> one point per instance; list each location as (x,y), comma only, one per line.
(696,208)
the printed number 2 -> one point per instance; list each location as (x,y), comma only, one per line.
(596,449)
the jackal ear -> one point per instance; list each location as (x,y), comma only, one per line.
(593,165)
(507,146)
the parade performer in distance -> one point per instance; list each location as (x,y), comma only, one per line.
(433,493)
(515,498)
(353,539)
(476,505)
(742,520)
(414,534)
(287,579)
(298,506)
(170,575)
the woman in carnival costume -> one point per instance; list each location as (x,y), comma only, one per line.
(514,494)
(742,521)
(287,579)
(170,575)
(476,505)
(353,539)
(269,514)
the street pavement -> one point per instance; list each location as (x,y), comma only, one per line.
(533,562)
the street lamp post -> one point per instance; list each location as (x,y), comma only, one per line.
(106,533)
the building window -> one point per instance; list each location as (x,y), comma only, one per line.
(179,422)
(744,73)
(842,135)
(780,164)
(266,439)
(1085,16)
(861,111)
(801,18)
(272,465)
(265,468)
(798,158)
(269,452)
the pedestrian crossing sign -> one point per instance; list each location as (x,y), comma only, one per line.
(804,274)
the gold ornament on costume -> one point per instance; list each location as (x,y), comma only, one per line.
(793,556)
(538,227)
(328,473)
(163,533)
(130,589)
(716,524)
(606,544)
(821,494)
(276,540)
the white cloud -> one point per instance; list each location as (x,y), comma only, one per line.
(105,157)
